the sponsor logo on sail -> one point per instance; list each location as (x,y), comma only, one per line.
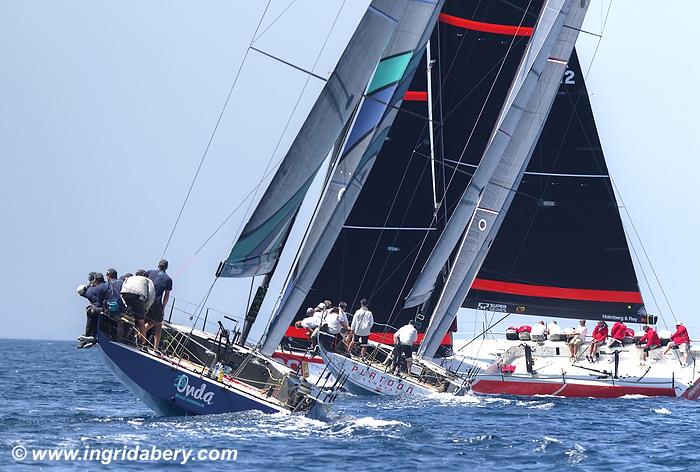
(492,307)
(195,395)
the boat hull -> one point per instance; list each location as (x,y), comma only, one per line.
(363,379)
(172,391)
(522,387)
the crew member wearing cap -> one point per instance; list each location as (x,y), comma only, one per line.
(651,338)
(163,284)
(680,339)
(311,322)
(96,294)
(361,327)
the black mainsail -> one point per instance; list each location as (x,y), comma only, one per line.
(562,251)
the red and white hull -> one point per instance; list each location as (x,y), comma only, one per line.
(553,373)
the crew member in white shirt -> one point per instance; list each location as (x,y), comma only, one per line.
(361,326)
(578,339)
(538,332)
(554,331)
(404,338)
(332,325)
(345,331)
(311,321)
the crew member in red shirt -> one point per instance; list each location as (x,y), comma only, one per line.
(617,334)
(651,338)
(681,340)
(600,333)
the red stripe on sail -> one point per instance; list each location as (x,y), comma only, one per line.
(485,27)
(616,296)
(415,96)
(382,338)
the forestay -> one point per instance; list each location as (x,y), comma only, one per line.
(488,195)
(258,248)
(357,155)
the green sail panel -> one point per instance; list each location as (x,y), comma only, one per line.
(259,246)
(389,71)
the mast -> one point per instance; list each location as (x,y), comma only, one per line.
(363,142)
(431,130)
(258,249)
(495,181)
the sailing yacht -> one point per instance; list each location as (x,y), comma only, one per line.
(562,252)
(478,212)
(195,372)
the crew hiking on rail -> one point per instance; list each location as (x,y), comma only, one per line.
(142,296)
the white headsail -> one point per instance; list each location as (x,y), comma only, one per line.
(489,193)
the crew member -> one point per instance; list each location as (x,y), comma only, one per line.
(95,294)
(139,294)
(114,304)
(617,334)
(600,334)
(343,316)
(163,285)
(651,338)
(554,332)
(538,332)
(309,323)
(361,326)
(404,338)
(578,339)
(333,325)
(680,339)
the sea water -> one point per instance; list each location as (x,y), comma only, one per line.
(56,397)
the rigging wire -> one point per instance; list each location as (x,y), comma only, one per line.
(268,170)
(309,74)
(213,132)
(255,38)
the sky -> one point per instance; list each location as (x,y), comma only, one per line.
(108,107)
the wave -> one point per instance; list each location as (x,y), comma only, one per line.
(662,411)
(452,399)
(370,422)
(535,405)
(546,441)
(577,454)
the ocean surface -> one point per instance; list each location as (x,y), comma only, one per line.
(54,396)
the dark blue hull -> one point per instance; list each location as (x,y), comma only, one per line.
(173,391)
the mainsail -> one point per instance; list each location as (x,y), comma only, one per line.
(258,248)
(354,162)
(488,196)
(393,226)
(562,251)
